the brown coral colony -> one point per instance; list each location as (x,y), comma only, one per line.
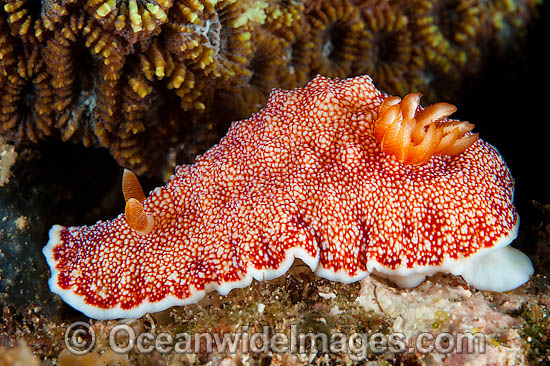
(132,74)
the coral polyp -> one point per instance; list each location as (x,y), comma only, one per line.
(388,54)
(130,74)
(338,33)
(450,31)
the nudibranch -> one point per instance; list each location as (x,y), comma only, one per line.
(346,178)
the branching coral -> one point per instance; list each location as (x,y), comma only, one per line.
(131,74)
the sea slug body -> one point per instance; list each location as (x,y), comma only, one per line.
(348,179)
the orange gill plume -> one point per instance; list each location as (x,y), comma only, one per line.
(136,217)
(413,135)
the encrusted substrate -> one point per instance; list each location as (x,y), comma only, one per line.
(541,255)
(515,324)
(446,305)
(28,204)
(7,159)
(19,355)
(23,203)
